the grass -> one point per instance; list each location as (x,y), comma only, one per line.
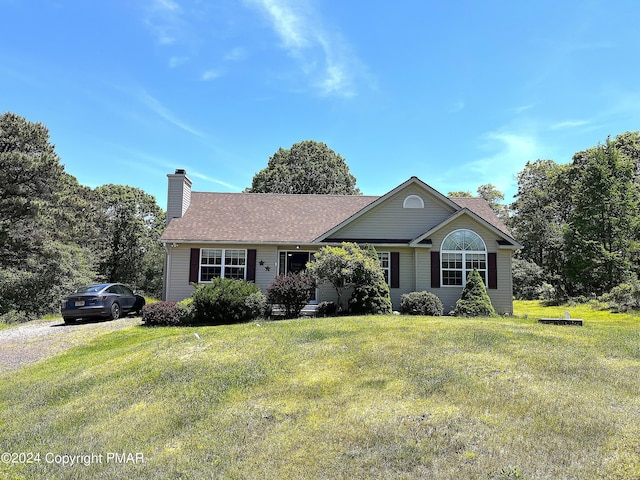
(352,397)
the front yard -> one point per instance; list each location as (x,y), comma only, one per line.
(351,397)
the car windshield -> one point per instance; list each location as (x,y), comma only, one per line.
(90,289)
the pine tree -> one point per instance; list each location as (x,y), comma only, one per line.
(474,301)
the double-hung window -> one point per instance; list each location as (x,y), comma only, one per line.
(385,264)
(221,262)
(462,252)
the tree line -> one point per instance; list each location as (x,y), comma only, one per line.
(578,222)
(56,234)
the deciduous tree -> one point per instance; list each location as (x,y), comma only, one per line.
(307,167)
(602,229)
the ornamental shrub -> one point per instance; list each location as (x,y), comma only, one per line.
(226,301)
(371,294)
(371,299)
(162,314)
(421,303)
(474,301)
(291,292)
(327,309)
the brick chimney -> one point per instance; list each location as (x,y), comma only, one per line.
(179,194)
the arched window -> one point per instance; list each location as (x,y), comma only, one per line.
(413,201)
(461,252)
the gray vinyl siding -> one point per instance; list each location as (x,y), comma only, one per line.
(178,196)
(407,275)
(502,297)
(390,220)
(179,288)
(415,271)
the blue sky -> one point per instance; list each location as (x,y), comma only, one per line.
(458,93)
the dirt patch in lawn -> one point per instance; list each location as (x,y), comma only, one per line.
(34,341)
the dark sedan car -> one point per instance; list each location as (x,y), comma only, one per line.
(105,300)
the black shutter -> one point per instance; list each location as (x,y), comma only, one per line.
(395,269)
(194,265)
(435,269)
(251,265)
(493,271)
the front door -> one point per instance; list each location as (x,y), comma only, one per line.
(295,262)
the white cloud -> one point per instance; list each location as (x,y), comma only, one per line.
(212,180)
(319,53)
(163,112)
(568,124)
(177,61)
(166,5)
(164,18)
(507,153)
(210,75)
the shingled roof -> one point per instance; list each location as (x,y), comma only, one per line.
(279,218)
(480,207)
(262,217)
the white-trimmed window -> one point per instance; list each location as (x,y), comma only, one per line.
(221,262)
(385,264)
(462,251)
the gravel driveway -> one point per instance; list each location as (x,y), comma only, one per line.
(28,343)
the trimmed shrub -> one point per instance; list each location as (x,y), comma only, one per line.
(226,301)
(371,299)
(421,303)
(185,309)
(327,309)
(352,265)
(162,314)
(292,292)
(474,301)
(257,303)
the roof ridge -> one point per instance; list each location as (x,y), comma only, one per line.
(290,194)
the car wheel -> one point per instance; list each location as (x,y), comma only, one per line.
(68,320)
(115,311)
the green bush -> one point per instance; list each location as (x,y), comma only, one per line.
(163,314)
(371,294)
(291,292)
(528,279)
(371,299)
(14,316)
(474,301)
(327,309)
(257,303)
(227,301)
(624,297)
(421,303)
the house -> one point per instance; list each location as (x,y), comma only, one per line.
(425,240)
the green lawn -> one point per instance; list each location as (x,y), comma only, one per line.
(352,397)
